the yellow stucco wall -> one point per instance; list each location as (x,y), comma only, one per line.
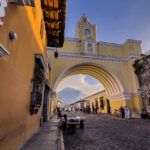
(122,70)
(92,99)
(115,105)
(16,72)
(73,45)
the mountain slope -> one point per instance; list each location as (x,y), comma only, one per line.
(70,95)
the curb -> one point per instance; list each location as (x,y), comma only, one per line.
(62,140)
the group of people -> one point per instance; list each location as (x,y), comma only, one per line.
(124,112)
(88,110)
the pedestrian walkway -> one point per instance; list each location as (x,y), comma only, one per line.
(46,138)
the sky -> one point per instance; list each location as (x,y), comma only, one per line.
(116,20)
(86,84)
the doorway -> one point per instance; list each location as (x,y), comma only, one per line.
(45,104)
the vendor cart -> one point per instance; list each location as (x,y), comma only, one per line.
(74,122)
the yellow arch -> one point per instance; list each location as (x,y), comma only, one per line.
(111,83)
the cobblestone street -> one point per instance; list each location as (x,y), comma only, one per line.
(104,132)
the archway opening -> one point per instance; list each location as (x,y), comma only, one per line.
(114,90)
(108,79)
(77,87)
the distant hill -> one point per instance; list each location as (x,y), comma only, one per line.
(70,95)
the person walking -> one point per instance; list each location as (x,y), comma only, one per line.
(121,110)
(127,112)
(96,110)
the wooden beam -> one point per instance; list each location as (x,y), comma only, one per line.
(52,29)
(49,8)
(49,20)
(52,36)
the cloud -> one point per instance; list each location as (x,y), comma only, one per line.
(78,82)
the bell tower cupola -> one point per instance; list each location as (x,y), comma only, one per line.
(84,29)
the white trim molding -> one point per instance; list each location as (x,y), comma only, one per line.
(103,43)
(23,2)
(122,96)
(96,56)
(3,4)
(3,51)
(116,82)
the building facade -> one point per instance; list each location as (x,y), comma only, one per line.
(110,63)
(78,105)
(26,28)
(98,100)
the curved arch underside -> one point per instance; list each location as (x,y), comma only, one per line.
(111,83)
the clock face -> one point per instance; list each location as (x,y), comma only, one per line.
(87,31)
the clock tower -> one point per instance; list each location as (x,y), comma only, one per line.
(85,30)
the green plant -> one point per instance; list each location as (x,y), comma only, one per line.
(137,66)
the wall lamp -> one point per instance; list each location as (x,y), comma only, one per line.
(12,35)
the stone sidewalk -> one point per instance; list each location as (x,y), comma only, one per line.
(46,138)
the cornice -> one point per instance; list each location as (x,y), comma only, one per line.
(23,2)
(132,41)
(95,56)
(110,44)
(72,39)
(102,43)
(123,96)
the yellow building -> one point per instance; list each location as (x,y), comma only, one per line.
(26,27)
(98,100)
(110,63)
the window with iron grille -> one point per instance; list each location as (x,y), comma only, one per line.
(37,91)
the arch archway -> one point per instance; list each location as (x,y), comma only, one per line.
(109,80)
